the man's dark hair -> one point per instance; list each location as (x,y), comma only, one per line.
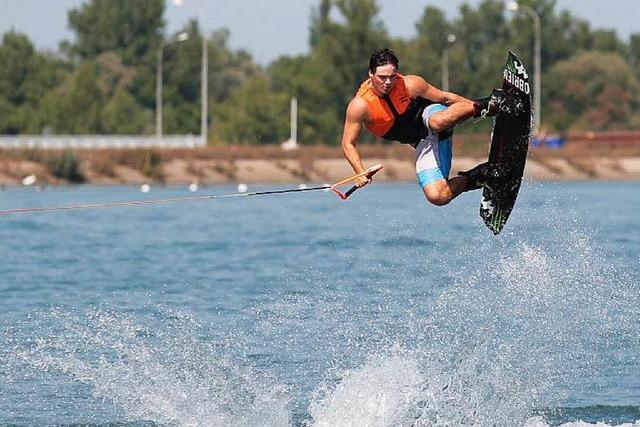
(382,57)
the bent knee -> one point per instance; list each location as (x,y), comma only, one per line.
(438,122)
(437,195)
(438,200)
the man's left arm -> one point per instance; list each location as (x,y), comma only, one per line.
(459,108)
(418,86)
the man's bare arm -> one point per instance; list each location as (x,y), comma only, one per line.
(418,86)
(460,108)
(353,125)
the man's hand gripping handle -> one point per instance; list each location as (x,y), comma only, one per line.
(367,174)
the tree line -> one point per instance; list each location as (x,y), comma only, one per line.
(103,82)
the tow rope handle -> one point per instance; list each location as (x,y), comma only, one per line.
(369,173)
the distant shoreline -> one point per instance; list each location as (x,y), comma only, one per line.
(270,164)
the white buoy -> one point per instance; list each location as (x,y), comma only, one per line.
(193,187)
(29,180)
(302,186)
(242,188)
(145,188)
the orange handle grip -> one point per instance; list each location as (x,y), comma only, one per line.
(369,173)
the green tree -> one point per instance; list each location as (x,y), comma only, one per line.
(107,83)
(182,62)
(297,76)
(74,107)
(561,34)
(17,55)
(423,55)
(592,91)
(482,35)
(131,28)
(341,55)
(95,99)
(253,114)
(607,41)
(228,69)
(25,76)
(123,115)
(66,166)
(337,64)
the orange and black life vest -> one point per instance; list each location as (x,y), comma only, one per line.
(396,116)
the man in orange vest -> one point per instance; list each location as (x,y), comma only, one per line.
(410,110)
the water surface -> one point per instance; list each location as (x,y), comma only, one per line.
(306,310)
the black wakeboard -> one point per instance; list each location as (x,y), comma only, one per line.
(509,145)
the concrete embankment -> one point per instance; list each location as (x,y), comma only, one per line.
(220,165)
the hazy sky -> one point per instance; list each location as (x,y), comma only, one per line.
(269,28)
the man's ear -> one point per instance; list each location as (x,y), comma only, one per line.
(370,74)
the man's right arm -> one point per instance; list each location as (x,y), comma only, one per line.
(353,125)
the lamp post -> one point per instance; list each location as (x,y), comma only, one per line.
(204,92)
(204,86)
(451,38)
(179,38)
(513,6)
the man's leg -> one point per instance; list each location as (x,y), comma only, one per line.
(434,157)
(499,100)
(444,118)
(443,191)
(433,164)
(433,160)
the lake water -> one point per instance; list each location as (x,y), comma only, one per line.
(302,309)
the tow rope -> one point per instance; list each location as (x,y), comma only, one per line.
(334,187)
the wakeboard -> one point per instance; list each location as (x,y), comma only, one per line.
(509,145)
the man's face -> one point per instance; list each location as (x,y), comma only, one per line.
(384,78)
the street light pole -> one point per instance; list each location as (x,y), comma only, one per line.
(513,6)
(537,70)
(159,92)
(204,85)
(451,38)
(180,38)
(204,92)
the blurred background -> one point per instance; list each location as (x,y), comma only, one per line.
(304,310)
(191,73)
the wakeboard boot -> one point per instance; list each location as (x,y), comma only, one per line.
(484,175)
(499,101)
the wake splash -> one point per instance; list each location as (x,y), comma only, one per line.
(159,370)
(377,394)
(384,392)
(496,348)
(500,345)
(538,422)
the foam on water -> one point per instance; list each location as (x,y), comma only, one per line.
(539,422)
(158,369)
(379,393)
(500,344)
(522,326)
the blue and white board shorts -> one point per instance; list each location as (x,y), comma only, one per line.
(433,155)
